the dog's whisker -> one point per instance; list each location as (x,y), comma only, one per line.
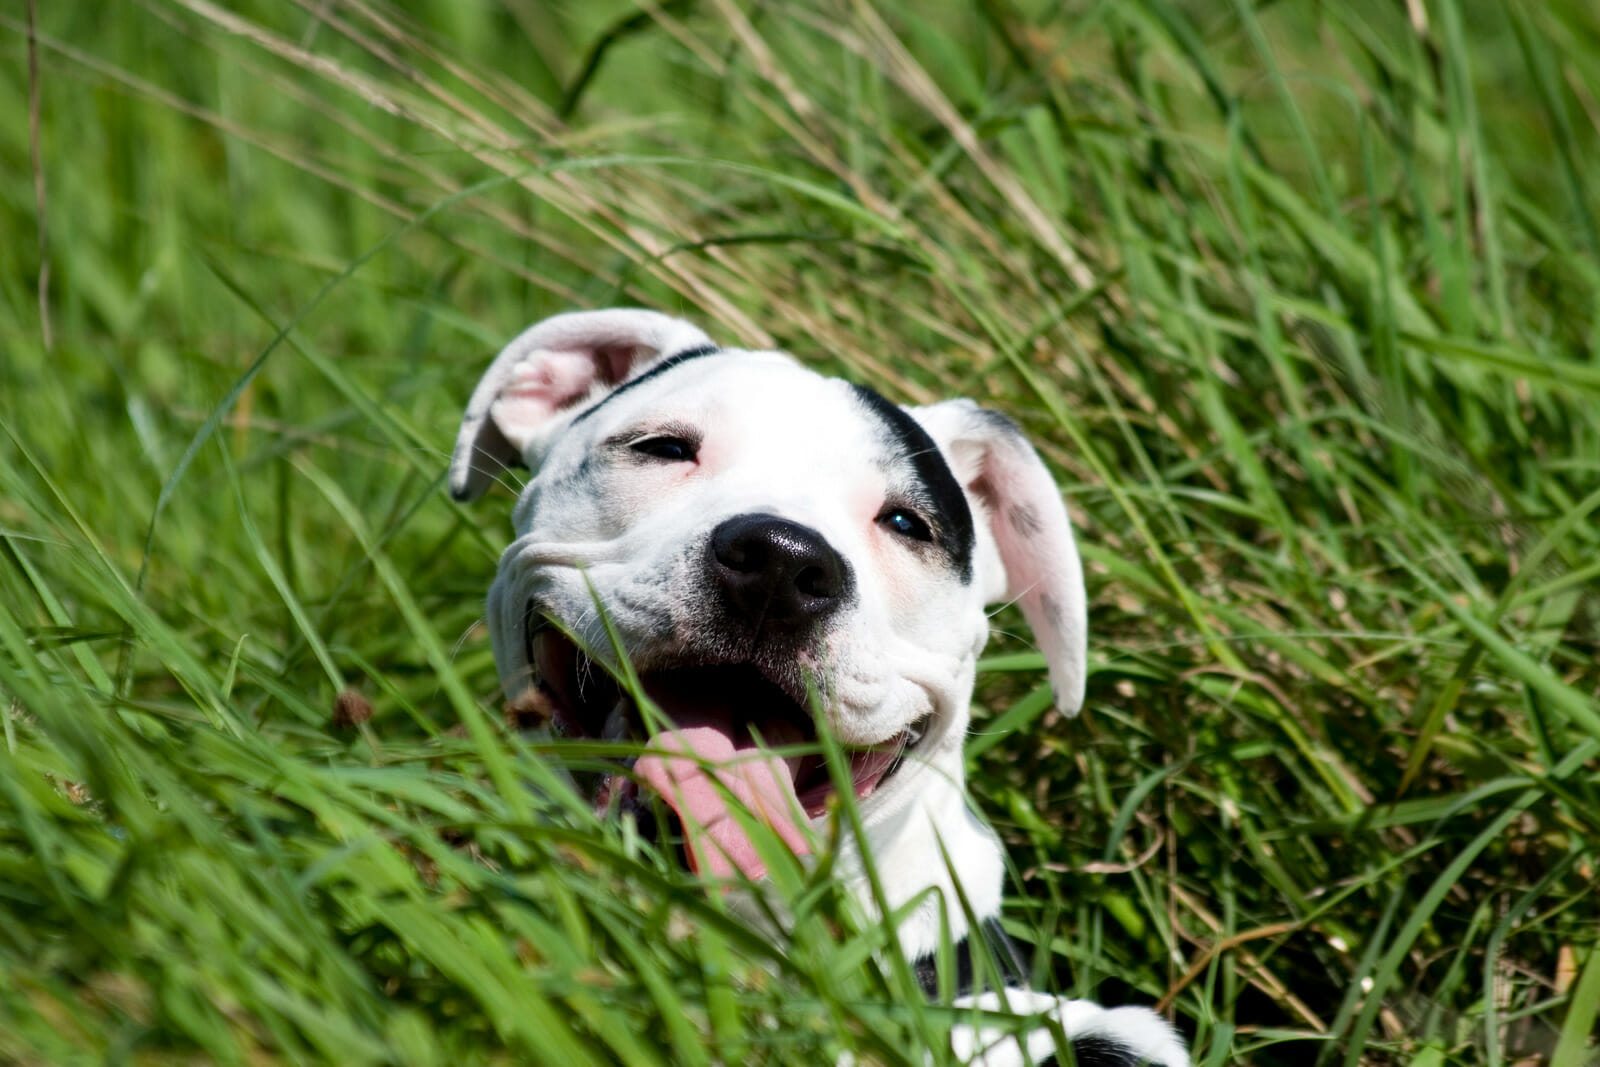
(466,635)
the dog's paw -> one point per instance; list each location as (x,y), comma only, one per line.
(1099,1036)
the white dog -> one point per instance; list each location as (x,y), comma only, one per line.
(761,537)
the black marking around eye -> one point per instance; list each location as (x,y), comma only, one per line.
(946,503)
(676,359)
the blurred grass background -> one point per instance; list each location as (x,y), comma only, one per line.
(1299,299)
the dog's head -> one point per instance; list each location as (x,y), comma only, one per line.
(759,537)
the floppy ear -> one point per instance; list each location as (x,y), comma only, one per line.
(546,371)
(1008,485)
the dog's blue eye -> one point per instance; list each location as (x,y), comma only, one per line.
(906,524)
(675,449)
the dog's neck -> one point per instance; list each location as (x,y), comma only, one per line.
(932,840)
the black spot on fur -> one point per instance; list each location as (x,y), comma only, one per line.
(1024,519)
(1097,1051)
(942,494)
(1000,423)
(1002,951)
(662,367)
(1052,611)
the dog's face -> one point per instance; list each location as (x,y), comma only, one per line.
(745,511)
(760,540)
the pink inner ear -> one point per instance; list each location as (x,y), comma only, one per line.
(542,384)
(1043,575)
(1025,562)
(1027,518)
(615,361)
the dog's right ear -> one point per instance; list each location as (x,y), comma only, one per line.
(546,372)
(1007,484)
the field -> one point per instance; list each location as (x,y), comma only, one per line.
(1300,300)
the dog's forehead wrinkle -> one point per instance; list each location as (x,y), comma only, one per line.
(754,407)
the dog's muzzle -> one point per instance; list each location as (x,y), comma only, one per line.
(737,723)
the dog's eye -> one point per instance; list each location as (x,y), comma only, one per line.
(906,523)
(665,446)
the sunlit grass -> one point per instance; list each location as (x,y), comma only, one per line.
(1298,300)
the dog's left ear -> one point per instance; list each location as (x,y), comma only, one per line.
(1007,485)
(545,373)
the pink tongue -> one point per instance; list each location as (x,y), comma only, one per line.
(684,765)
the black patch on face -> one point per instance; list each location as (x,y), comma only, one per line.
(940,492)
(662,367)
(1051,608)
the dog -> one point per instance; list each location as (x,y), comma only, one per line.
(760,540)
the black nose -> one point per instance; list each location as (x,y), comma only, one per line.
(777,573)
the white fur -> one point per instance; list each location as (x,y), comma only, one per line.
(1140,1030)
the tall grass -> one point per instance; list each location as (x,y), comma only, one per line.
(1300,300)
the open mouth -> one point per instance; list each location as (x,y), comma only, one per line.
(733,735)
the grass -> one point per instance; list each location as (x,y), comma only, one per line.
(1300,300)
